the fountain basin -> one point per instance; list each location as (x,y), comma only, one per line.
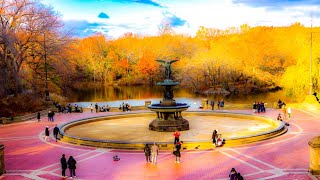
(128,131)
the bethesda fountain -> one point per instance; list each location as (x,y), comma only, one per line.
(92,131)
(169,116)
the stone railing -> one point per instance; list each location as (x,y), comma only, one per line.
(8,120)
(2,170)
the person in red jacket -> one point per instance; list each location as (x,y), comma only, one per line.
(176,136)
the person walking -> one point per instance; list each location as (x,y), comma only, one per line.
(177,151)
(176,135)
(46,133)
(239,177)
(56,132)
(52,116)
(212,105)
(233,174)
(154,153)
(72,166)
(49,115)
(284,110)
(258,107)
(64,165)
(38,116)
(147,152)
(254,107)
(289,112)
(91,108)
(96,106)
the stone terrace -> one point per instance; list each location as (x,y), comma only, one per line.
(28,156)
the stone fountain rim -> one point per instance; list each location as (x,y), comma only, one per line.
(152,106)
(119,144)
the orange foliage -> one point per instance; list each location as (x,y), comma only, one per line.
(147,64)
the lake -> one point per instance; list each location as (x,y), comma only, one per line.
(137,95)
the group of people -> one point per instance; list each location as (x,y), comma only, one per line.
(286,114)
(212,103)
(259,107)
(234,175)
(55,133)
(71,164)
(50,116)
(76,108)
(216,138)
(68,109)
(125,107)
(103,108)
(177,145)
(152,153)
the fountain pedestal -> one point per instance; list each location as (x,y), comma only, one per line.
(169,116)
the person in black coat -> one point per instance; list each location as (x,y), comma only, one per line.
(49,115)
(38,116)
(96,107)
(239,177)
(214,136)
(56,132)
(147,152)
(233,174)
(212,104)
(64,165)
(72,166)
(177,151)
(46,133)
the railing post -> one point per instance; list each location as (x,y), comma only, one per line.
(314,167)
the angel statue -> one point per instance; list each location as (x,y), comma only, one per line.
(167,65)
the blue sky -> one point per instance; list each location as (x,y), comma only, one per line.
(116,17)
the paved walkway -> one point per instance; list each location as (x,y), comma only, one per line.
(28,156)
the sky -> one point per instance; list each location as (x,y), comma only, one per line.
(144,17)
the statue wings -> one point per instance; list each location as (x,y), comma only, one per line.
(172,61)
(165,61)
(162,61)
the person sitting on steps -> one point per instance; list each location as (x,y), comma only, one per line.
(279,118)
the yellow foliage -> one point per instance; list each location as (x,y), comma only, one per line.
(267,56)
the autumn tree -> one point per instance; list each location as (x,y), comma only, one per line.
(24,25)
(147,66)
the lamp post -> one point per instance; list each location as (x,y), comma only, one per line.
(47,98)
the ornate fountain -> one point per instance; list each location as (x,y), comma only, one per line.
(169,117)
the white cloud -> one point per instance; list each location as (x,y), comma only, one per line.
(145,19)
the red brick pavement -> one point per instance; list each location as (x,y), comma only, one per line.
(28,156)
